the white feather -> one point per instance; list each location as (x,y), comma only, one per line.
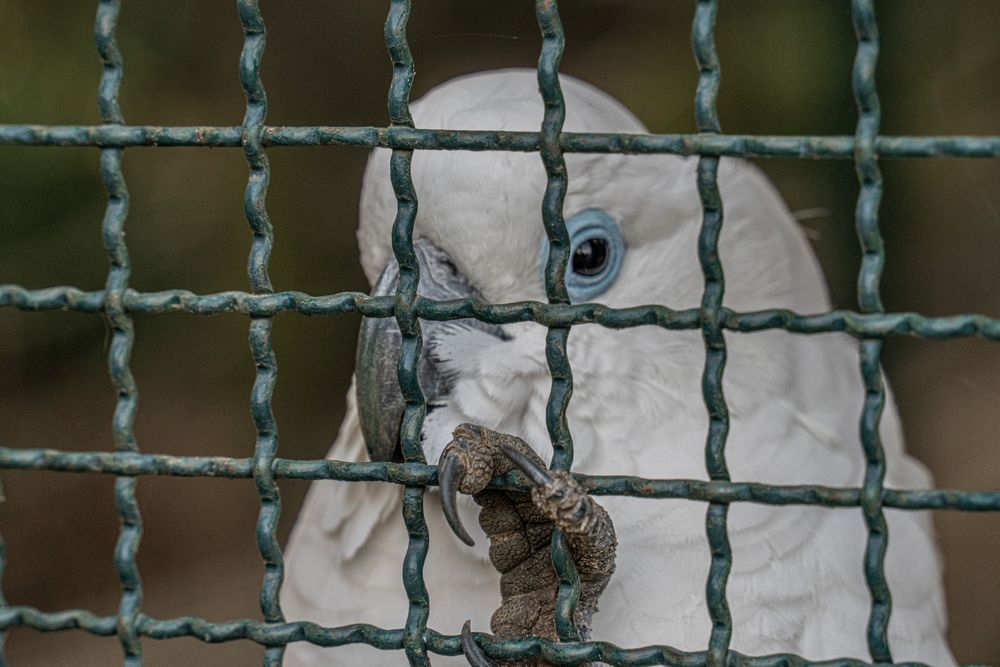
(797,581)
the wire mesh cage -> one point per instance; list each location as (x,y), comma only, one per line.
(118,303)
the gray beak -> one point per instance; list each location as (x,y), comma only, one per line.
(380,402)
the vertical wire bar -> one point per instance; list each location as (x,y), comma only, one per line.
(122,332)
(553,43)
(707,118)
(870,301)
(414,634)
(254,204)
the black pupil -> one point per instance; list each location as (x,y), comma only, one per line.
(590,257)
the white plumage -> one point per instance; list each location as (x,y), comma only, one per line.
(797,582)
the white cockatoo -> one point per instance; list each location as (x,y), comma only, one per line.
(797,582)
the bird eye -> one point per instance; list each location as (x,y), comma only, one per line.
(597,250)
(590,257)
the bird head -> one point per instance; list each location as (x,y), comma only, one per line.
(633,222)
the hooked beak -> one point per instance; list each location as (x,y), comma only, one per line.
(380,401)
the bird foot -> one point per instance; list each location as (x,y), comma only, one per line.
(520,528)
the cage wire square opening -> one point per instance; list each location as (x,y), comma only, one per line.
(118,302)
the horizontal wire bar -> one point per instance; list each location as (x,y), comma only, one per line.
(280,634)
(420,474)
(257,305)
(818,146)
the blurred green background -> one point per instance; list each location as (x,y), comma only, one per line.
(786,70)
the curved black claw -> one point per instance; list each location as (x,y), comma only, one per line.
(471,649)
(538,475)
(449,473)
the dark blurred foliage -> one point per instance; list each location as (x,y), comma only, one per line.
(786,70)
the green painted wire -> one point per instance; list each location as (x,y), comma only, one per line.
(870,301)
(561,390)
(262,351)
(122,332)
(860,325)
(414,643)
(737,145)
(716,526)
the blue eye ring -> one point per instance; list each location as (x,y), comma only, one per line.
(596,227)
